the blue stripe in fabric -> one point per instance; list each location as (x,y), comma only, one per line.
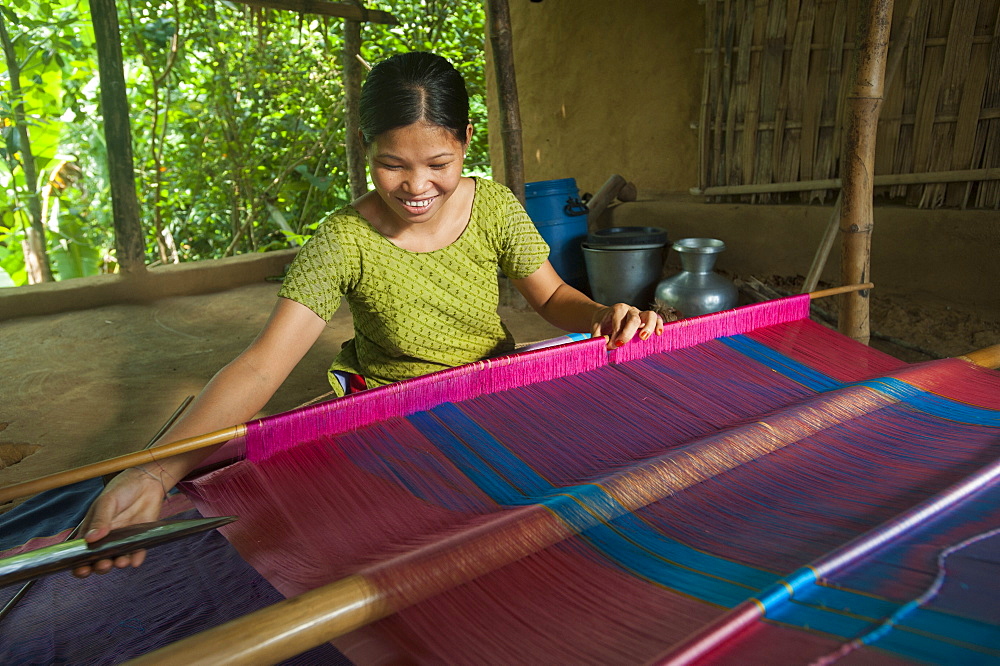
(935,405)
(631,543)
(936,649)
(925,634)
(932,404)
(849,614)
(797,372)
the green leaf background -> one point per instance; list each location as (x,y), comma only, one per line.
(237,119)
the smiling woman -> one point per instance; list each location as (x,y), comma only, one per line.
(416,259)
(417,173)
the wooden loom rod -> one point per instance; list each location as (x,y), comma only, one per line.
(309,619)
(113,465)
(302,622)
(988,357)
(833,291)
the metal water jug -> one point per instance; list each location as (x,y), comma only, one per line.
(697,289)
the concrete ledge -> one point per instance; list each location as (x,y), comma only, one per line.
(951,255)
(196,277)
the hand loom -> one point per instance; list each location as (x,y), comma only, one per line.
(748,487)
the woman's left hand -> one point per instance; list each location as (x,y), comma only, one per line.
(620,322)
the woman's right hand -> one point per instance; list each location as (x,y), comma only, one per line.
(134,496)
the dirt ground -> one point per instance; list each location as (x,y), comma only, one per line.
(80,387)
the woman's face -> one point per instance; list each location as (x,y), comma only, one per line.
(416,169)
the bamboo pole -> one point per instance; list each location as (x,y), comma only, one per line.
(883,180)
(114,465)
(988,357)
(829,235)
(292,626)
(858,163)
(834,291)
(498,19)
(280,631)
(825,245)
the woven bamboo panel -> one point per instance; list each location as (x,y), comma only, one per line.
(776,77)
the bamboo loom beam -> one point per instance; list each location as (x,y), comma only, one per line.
(310,619)
(295,625)
(988,357)
(114,465)
(836,291)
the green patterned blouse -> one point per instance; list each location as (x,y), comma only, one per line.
(417,312)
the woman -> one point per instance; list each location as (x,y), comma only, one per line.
(416,260)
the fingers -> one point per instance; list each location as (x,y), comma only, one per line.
(621,322)
(102,567)
(595,330)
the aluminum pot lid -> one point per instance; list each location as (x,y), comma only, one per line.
(627,237)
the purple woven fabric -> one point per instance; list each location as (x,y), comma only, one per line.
(184,587)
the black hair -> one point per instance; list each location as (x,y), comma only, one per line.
(410,87)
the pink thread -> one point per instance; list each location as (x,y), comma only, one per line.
(693,331)
(281,431)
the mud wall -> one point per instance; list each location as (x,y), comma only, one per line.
(604,88)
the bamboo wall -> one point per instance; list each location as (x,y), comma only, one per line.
(776,73)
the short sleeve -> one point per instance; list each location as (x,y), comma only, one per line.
(321,272)
(521,250)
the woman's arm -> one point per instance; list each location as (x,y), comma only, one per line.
(569,309)
(234,395)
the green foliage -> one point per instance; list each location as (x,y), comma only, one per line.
(11,258)
(237,119)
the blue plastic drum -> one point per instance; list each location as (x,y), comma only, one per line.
(561,218)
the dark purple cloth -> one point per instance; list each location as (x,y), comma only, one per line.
(184,587)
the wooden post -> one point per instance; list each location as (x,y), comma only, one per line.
(826,244)
(356,173)
(858,163)
(498,18)
(129,238)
